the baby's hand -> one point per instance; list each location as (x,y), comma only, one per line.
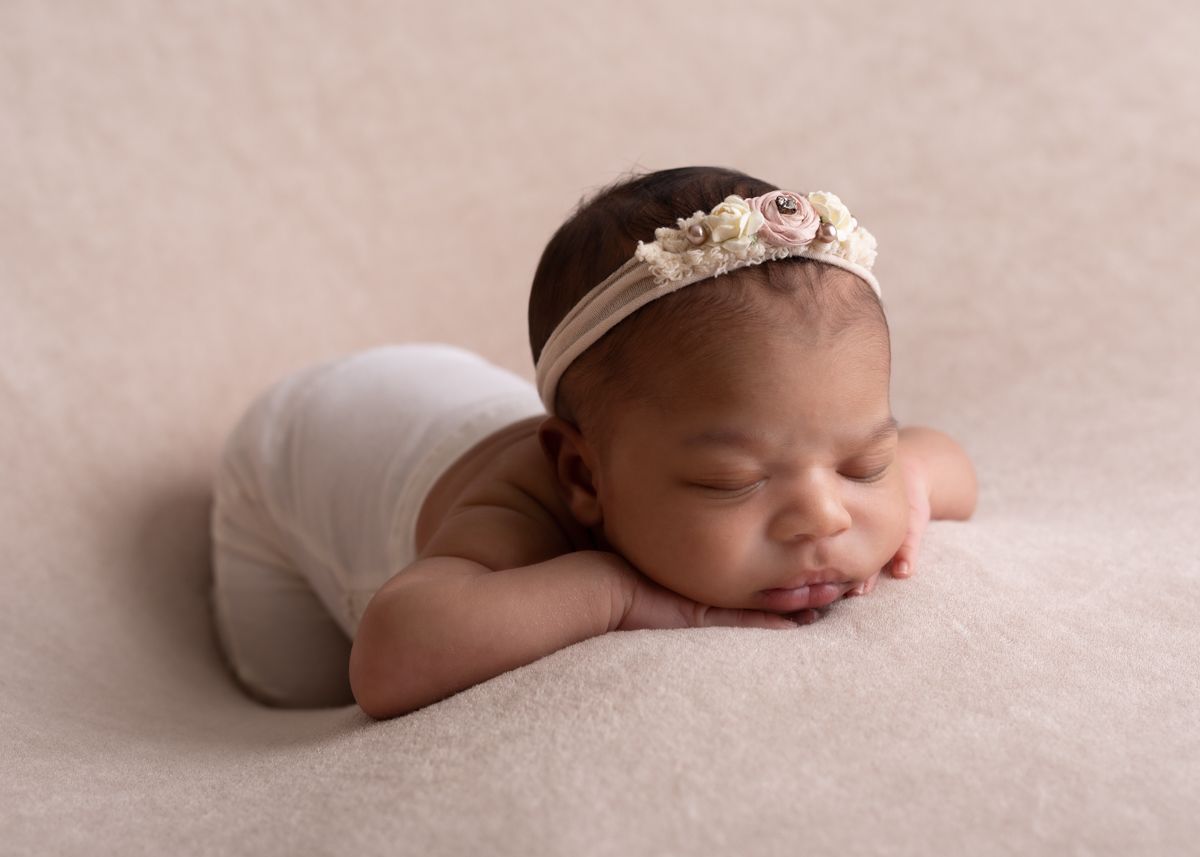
(916,486)
(650,605)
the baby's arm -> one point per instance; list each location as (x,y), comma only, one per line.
(451,623)
(942,466)
(449,620)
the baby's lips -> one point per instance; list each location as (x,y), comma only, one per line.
(803,597)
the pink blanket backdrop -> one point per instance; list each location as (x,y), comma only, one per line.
(197,199)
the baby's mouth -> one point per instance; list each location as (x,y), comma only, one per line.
(803,597)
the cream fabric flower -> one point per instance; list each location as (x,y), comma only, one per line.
(833,210)
(859,247)
(733,220)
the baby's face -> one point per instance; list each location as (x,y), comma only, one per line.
(769,468)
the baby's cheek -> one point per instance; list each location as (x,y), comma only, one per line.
(647,536)
(685,556)
(884,525)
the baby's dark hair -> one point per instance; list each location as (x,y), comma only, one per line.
(602,234)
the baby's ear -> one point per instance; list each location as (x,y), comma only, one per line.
(573,461)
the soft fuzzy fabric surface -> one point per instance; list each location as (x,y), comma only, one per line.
(198,198)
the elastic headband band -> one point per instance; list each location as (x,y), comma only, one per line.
(737,233)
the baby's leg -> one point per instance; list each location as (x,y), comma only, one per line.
(283,645)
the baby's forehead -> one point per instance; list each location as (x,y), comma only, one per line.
(685,435)
(757,378)
(712,339)
(740,348)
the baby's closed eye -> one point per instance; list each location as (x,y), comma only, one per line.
(725,486)
(866,472)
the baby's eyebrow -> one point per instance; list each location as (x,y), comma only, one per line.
(721,437)
(882,431)
(741,440)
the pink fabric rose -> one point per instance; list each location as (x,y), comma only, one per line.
(783,228)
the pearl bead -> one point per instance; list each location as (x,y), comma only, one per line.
(827,233)
(697,233)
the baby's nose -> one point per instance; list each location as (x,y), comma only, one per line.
(812,508)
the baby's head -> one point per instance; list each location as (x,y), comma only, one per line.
(733,435)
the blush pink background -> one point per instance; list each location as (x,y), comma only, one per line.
(198,198)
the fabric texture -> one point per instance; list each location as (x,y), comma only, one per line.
(200,198)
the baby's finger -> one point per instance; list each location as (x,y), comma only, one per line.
(866,587)
(729,617)
(904,563)
(901,566)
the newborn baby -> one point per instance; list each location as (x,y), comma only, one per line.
(711,442)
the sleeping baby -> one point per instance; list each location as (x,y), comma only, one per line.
(710,441)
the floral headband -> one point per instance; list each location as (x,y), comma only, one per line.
(735,234)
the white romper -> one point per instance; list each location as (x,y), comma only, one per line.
(316,501)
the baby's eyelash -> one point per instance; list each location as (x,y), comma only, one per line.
(727,490)
(873,477)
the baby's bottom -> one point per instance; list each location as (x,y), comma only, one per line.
(274,624)
(317,495)
(284,646)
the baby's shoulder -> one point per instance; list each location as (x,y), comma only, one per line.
(503,508)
